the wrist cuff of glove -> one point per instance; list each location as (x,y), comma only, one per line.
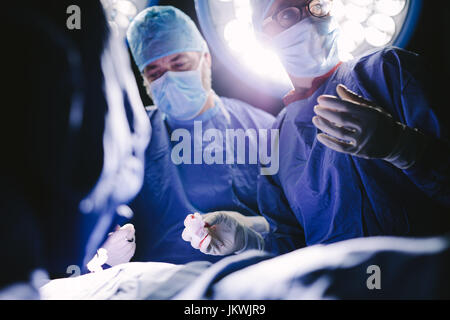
(252,241)
(258,224)
(409,149)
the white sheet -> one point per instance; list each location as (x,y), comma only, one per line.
(131,281)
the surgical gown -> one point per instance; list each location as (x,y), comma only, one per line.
(321,196)
(171,191)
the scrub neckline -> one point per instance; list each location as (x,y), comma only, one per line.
(292,97)
(206,116)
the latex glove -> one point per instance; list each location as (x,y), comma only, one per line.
(95,265)
(356,126)
(227,233)
(120,245)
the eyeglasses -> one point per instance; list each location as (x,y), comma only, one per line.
(290,16)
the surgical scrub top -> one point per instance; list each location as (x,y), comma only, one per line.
(321,196)
(173,190)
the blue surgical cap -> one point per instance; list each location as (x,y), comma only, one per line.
(260,9)
(160,31)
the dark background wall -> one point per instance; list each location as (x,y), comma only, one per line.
(430,40)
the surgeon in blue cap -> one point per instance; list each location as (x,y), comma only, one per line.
(362,150)
(175,63)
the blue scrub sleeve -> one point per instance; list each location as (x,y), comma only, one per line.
(432,172)
(286,234)
(406,91)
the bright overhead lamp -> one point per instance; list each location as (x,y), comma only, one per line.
(365,25)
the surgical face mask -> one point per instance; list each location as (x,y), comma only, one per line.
(180,95)
(309,48)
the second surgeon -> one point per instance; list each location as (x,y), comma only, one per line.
(362,150)
(175,63)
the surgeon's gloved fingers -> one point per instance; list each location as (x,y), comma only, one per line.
(222,229)
(337,104)
(346,94)
(114,240)
(334,131)
(339,118)
(125,233)
(119,247)
(217,247)
(131,247)
(214,248)
(130,231)
(213,218)
(366,106)
(127,253)
(131,251)
(201,244)
(117,242)
(129,227)
(335,144)
(116,229)
(122,256)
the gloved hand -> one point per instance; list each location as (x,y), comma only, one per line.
(120,245)
(229,232)
(356,126)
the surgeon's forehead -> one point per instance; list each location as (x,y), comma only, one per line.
(282,4)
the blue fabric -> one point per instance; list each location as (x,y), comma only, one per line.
(171,192)
(160,31)
(322,196)
(407,269)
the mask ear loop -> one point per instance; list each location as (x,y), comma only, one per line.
(200,66)
(200,63)
(199,69)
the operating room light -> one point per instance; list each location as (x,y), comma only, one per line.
(365,25)
(239,36)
